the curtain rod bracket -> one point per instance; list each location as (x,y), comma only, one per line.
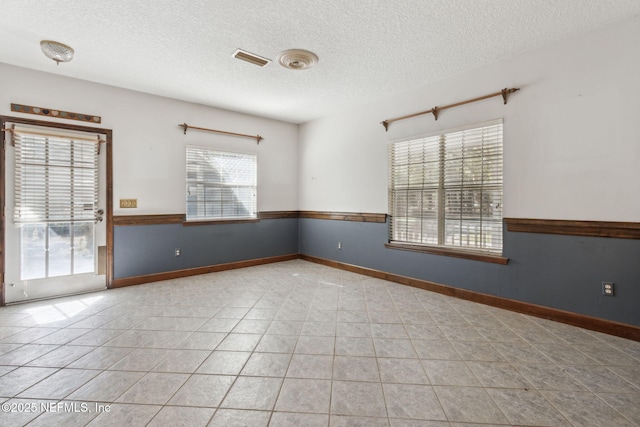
(434,110)
(506,92)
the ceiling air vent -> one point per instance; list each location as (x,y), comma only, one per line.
(250,58)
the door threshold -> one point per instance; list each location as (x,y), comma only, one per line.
(26,301)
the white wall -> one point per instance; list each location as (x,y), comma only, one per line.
(572,133)
(148,145)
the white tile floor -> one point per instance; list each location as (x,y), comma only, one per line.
(297,343)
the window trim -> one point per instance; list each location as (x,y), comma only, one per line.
(455,253)
(218,221)
(458,252)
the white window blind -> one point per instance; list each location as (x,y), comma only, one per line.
(220,185)
(446,190)
(56,177)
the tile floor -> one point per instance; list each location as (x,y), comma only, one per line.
(297,343)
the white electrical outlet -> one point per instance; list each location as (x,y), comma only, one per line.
(177,251)
(339,245)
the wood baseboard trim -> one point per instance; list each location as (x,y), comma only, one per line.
(156,277)
(475,256)
(587,322)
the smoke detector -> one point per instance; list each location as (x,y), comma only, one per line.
(297,59)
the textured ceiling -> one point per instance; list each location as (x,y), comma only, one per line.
(368,49)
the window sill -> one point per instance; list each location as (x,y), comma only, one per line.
(218,221)
(476,256)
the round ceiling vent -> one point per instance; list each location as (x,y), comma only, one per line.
(297,59)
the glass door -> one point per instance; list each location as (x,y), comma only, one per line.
(55,236)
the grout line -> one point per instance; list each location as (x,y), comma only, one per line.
(275,291)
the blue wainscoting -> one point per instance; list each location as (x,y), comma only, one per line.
(150,249)
(557,271)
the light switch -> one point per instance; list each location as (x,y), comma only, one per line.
(128,203)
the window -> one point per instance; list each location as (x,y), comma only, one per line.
(446,190)
(220,185)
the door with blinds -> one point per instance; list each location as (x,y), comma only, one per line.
(55,235)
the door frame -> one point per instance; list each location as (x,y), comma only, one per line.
(109,188)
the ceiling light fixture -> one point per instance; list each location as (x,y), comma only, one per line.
(57,51)
(297,59)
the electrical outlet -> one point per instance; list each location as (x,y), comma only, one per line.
(339,245)
(178,252)
(607,289)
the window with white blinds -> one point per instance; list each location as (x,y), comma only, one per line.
(220,185)
(446,190)
(56,177)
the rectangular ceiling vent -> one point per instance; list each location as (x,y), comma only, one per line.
(251,58)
